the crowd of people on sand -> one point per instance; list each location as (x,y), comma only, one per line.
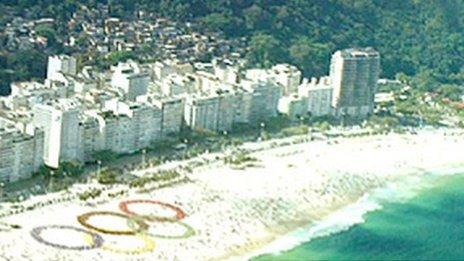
(266,204)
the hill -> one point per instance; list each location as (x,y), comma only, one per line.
(421,38)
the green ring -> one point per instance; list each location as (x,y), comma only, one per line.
(188,233)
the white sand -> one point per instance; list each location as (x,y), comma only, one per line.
(234,212)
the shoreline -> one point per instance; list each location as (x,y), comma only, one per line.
(293,186)
(339,220)
(352,215)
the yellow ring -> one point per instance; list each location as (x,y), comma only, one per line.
(149,246)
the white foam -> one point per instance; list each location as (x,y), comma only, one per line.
(353,214)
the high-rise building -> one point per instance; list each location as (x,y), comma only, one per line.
(118,133)
(172,113)
(354,74)
(286,75)
(176,84)
(20,153)
(319,96)
(264,101)
(146,124)
(293,106)
(92,135)
(60,121)
(129,78)
(226,110)
(242,100)
(201,112)
(60,65)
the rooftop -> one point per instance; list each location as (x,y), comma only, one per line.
(359,52)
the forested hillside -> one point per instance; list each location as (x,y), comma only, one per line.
(424,38)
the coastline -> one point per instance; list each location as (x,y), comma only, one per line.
(292,186)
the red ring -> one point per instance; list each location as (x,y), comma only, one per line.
(84,218)
(180,214)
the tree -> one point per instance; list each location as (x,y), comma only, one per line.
(121,56)
(425,81)
(108,176)
(451,91)
(223,22)
(323,126)
(420,38)
(312,58)
(257,18)
(264,50)
(105,156)
(47,32)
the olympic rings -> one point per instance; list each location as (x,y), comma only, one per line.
(95,240)
(149,246)
(136,223)
(124,207)
(83,220)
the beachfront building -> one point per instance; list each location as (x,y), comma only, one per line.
(287,76)
(226,110)
(21,154)
(60,121)
(129,78)
(92,136)
(206,81)
(213,112)
(146,124)
(201,112)
(118,134)
(132,106)
(264,100)
(130,126)
(319,96)
(293,106)
(176,84)
(354,74)
(243,101)
(172,113)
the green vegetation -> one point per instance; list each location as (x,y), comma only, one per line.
(422,39)
(23,65)
(109,176)
(105,156)
(48,32)
(384,123)
(297,130)
(104,62)
(240,158)
(65,169)
(154,177)
(90,194)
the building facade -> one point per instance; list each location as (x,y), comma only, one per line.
(59,65)
(21,154)
(354,74)
(264,100)
(172,114)
(129,78)
(319,96)
(60,121)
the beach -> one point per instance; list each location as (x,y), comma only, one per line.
(231,212)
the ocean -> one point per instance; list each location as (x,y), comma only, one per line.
(423,220)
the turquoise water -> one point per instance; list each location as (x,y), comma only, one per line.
(429,226)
